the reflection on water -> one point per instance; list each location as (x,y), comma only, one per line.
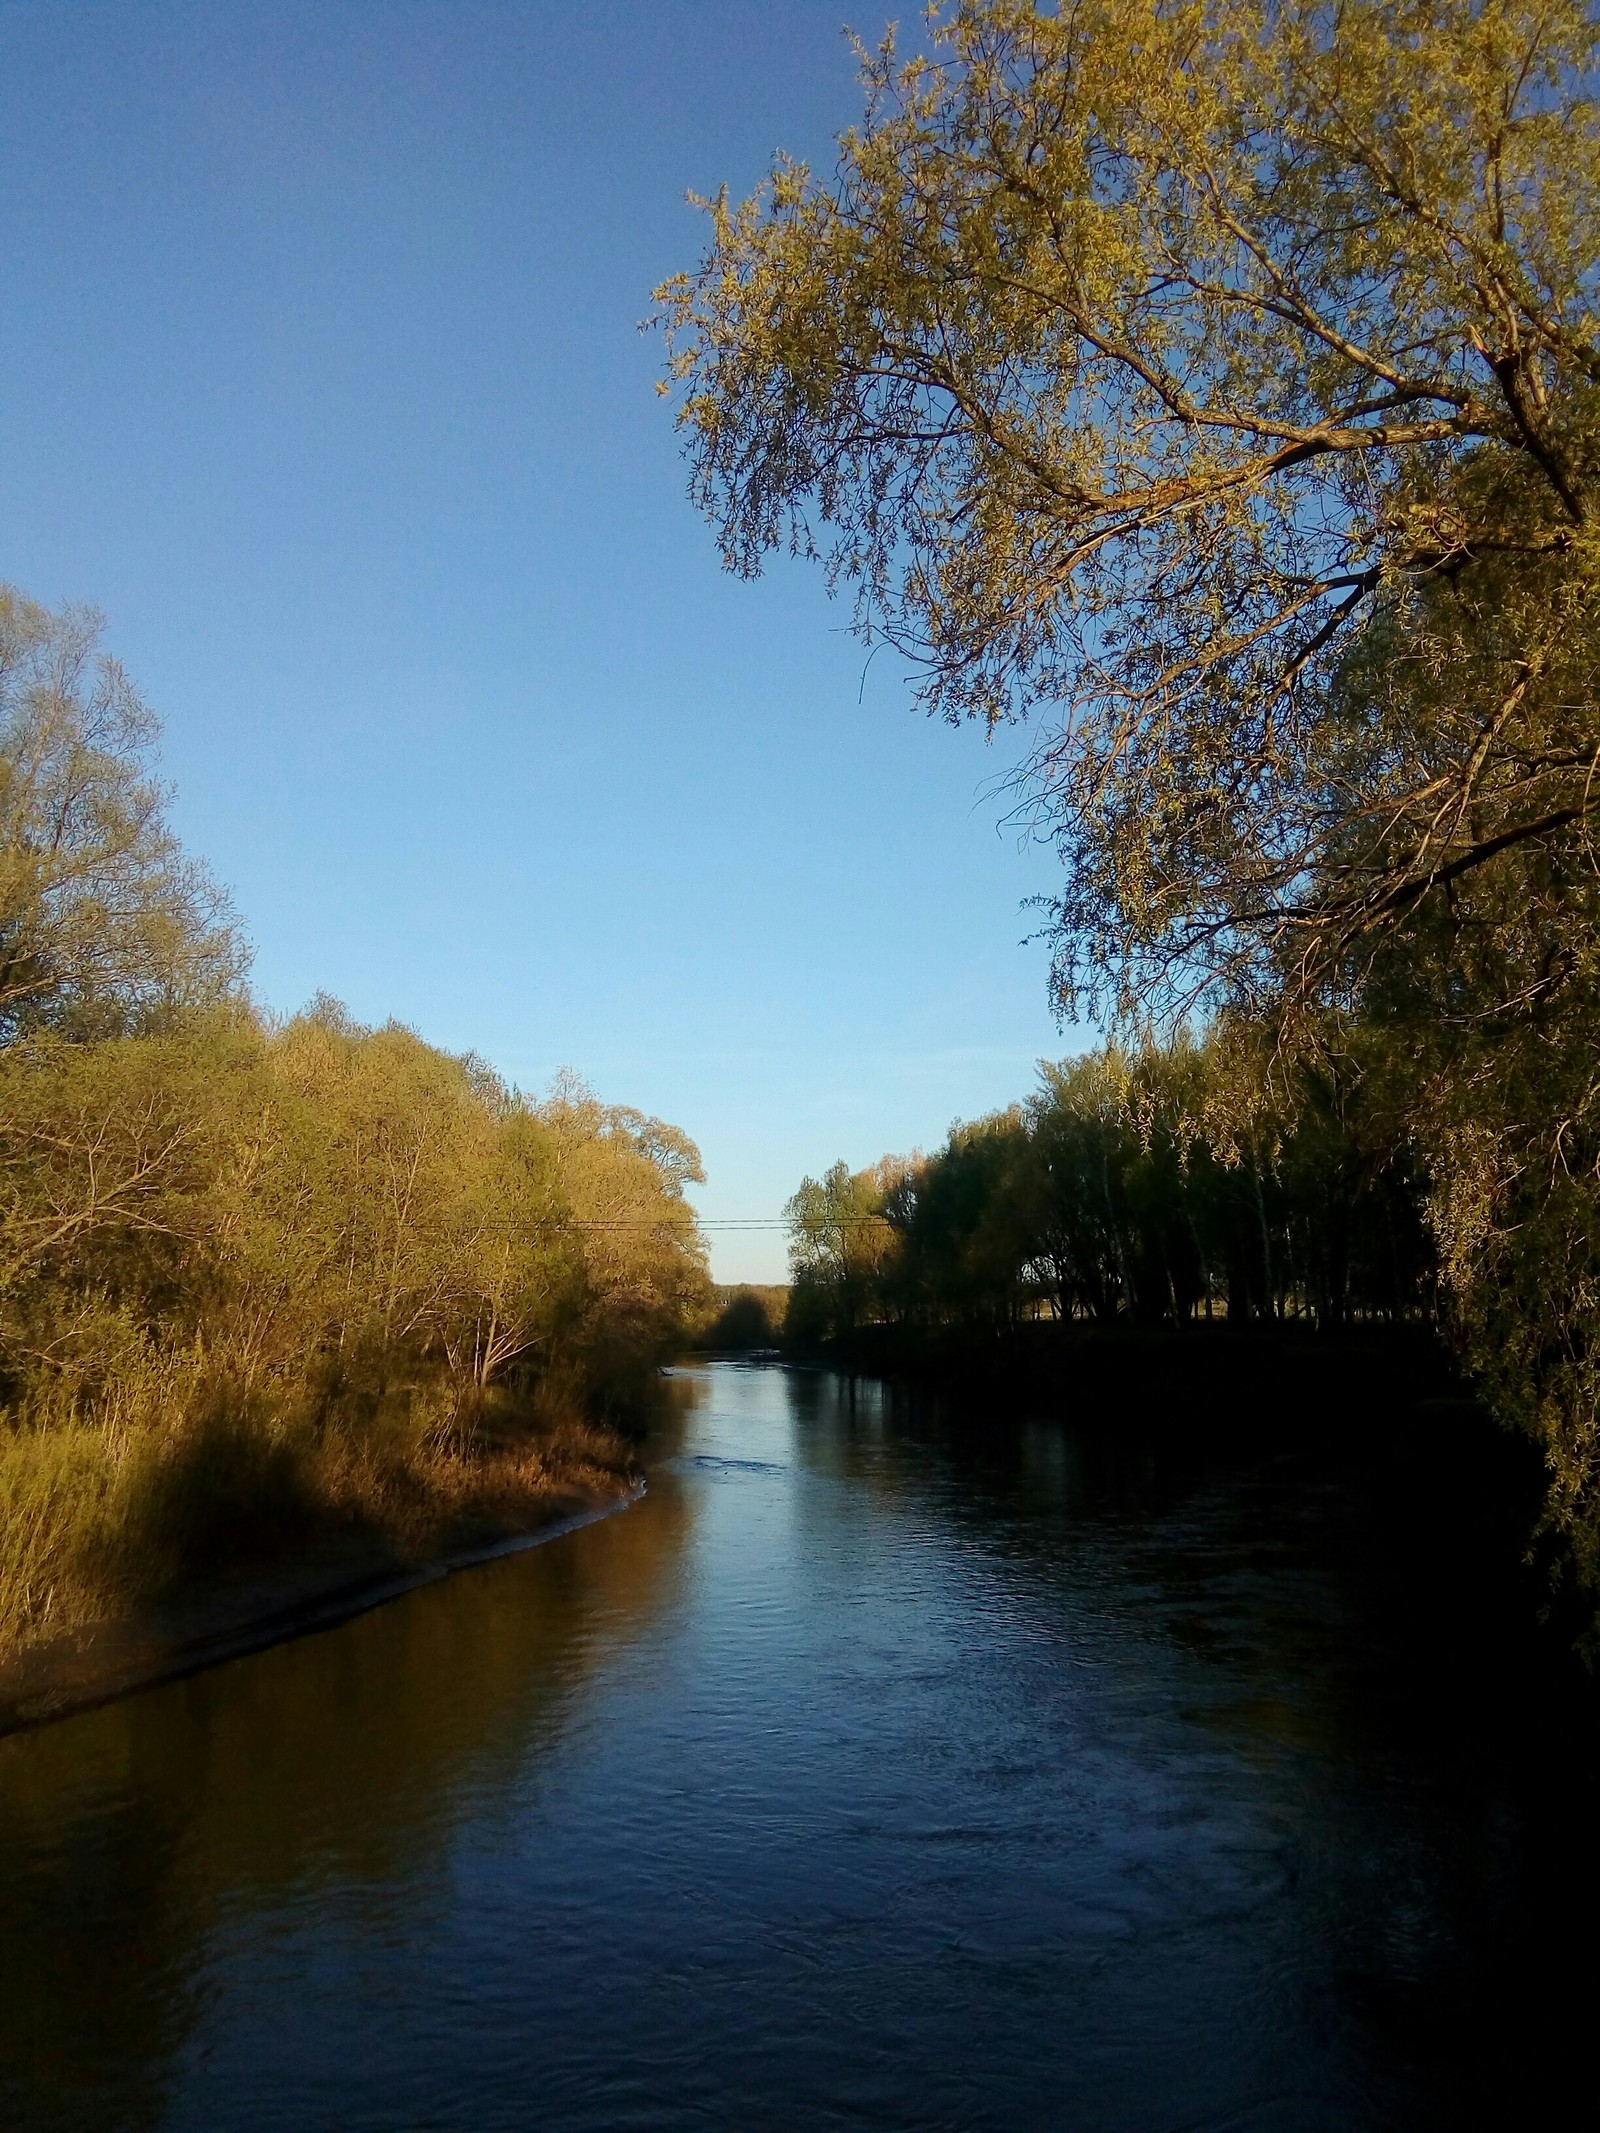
(878,1770)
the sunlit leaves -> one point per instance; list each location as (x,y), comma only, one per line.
(104,923)
(1136,362)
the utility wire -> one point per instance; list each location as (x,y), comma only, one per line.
(757,1223)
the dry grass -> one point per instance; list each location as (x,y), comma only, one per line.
(177,1476)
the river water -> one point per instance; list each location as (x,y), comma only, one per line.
(882,1768)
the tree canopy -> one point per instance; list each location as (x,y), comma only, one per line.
(1133,1186)
(1221,383)
(105,923)
(262,1278)
(1215,385)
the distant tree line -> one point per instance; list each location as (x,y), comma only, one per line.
(743,1316)
(1150,1187)
(255,1273)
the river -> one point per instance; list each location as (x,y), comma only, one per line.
(881,1768)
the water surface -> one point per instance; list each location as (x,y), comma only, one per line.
(880,1769)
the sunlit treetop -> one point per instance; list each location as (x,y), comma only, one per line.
(105,923)
(1142,367)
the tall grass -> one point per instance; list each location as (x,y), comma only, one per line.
(175,1473)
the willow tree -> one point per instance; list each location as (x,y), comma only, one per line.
(1217,386)
(1148,367)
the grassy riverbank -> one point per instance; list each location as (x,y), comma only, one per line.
(180,1491)
(271,1287)
(335,1552)
(262,1286)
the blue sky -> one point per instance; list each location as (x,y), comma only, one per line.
(320,374)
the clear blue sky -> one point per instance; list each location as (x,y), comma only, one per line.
(319,373)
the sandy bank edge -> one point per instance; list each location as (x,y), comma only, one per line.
(104,1661)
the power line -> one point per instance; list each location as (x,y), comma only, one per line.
(754,1224)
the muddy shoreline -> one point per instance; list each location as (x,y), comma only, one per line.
(99,1662)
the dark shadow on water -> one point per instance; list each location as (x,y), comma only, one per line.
(1357,1587)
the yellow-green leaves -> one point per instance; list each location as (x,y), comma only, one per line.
(253,1276)
(104,923)
(326,1206)
(1135,363)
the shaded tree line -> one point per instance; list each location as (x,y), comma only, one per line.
(743,1316)
(1151,1187)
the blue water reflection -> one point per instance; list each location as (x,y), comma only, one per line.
(881,1769)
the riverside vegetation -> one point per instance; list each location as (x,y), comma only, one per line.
(264,1280)
(1150,1188)
(1216,389)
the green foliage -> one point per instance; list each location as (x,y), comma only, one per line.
(1151,366)
(356,1253)
(1219,385)
(839,1241)
(747,1318)
(1150,1187)
(104,923)
(256,1277)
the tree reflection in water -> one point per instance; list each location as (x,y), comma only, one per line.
(894,1763)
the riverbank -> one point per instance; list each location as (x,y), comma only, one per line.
(335,1579)
(1202,1372)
